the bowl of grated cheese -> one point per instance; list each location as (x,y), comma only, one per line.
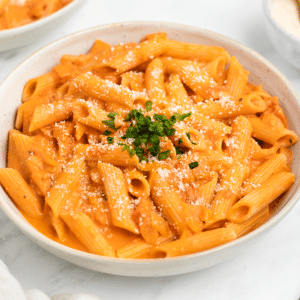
(282,19)
(261,72)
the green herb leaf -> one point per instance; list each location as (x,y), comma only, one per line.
(129,150)
(179,151)
(112,115)
(189,137)
(110,140)
(164,155)
(107,132)
(111,124)
(193,164)
(181,117)
(149,105)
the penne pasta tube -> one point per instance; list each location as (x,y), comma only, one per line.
(229,190)
(195,243)
(38,85)
(206,191)
(288,153)
(191,138)
(167,200)
(139,54)
(237,79)
(154,83)
(143,217)
(226,107)
(88,233)
(161,225)
(134,81)
(110,154)
(216,68)
(194,77)
(90,115)
(250,204)
(177,93)
(100,210)
(20,148)
(272,134)
(117,197)
(27,109)
(138,248)
(262,153)
(194,51)
(138,185)
(51,113)
(20,192)
(251,224)
(239,142)
(64,186)
(272,166)
(200,122)
(106,90)
(63,133)
(38,174)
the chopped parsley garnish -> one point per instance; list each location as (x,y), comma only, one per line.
(179,151)
(193,165)
(110,140)
(180,141)
(189,137)
(149,105)
(164,155)
(147,133)
(107,132)
(111,123)
(181,117)
(112,115)
(127,147)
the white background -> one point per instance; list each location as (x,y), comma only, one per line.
(268,270)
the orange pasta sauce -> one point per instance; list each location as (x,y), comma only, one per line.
(156,149)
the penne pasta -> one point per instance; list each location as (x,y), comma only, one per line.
(195,243)
(260,197)
(147,150)
(20,192)
(88,233)
(117,197)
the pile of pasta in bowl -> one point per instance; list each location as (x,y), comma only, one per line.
(23,22)
(147,150)
(16,13)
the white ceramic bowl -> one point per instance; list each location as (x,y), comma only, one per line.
(287,44)
(262,72)
(24,35)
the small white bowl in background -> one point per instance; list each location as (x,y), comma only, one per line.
(24,35)
(261,72)
(287,44)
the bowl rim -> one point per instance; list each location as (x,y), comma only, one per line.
(35,235)
(41,22)
(267,9)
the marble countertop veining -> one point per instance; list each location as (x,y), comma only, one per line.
(270,269)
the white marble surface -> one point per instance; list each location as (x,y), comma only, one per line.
(268,270)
